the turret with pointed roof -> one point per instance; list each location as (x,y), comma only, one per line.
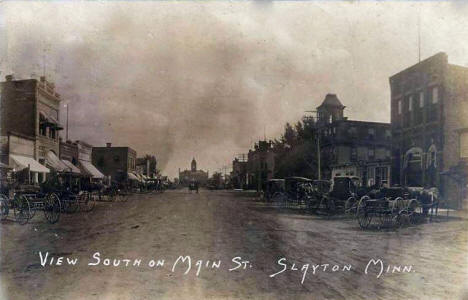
(330,110)
(194,165)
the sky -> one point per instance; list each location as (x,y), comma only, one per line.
(186,79)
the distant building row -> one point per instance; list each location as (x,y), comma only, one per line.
(425,145)
(30,143)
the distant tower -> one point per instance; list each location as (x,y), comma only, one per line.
(330,110)
(194,165)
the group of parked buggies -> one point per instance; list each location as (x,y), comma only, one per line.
(63,193)
(378,206)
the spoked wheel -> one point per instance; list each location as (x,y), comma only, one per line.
(123,196)
(86,202)
(351,206)
(52,208)
(400,212)
(331,206)
(415,211)
(278,198)
(312,204)
(70,205)
(22,209)
(4,207)
(363,216)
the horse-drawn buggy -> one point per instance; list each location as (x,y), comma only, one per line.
(338,196)
(274,188)
(289,192)
(26,200)
(396,206)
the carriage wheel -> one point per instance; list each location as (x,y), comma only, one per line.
(52,208)
(4,207)
(312,204)
(414,210)
(70,205)
(22,209)
(350,206)
(87,202)
(331,206)
(400,212)
(363,216)
(124,196)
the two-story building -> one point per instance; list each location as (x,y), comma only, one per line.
(117,162)
(260,165)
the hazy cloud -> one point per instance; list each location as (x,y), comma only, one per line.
(183,79)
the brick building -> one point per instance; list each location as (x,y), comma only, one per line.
(352,148)
(239,172)
(117,162)
(260,165)
(30,109)
(429,105)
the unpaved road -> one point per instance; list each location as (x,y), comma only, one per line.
(218,226)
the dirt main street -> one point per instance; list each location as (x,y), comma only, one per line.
(214,227)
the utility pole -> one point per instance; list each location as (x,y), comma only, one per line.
(419,37)
(66,139)
(317,138)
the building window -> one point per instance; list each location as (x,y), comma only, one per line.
(464,145)
(42,130)
(399,107)
(52,133)
(371,133)
(371,153)
(388,134)
(353,154)
(421,99)
(352,131)
(410,103)
(435,95)
(116,158)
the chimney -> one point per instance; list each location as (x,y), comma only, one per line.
(108,145)
(9,77)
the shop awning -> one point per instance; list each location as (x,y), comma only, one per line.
(22,162)
(132,176)
(55,163)
(90,169)
(5,166)
(71,167)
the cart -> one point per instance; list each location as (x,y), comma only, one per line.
(29,199)
(388,207)
(275,189)
(343,196)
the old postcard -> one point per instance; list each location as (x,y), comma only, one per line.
(233,150)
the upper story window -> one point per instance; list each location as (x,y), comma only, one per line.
(410,103)
(52,133)
(399,107)
(388,134)
(421,99)
(330,119)
(435,95)
(371,133)
(371,153)
(353,154)
(464,145)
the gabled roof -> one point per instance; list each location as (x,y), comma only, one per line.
(331,100)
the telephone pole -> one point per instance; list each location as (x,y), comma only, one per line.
(317,138)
